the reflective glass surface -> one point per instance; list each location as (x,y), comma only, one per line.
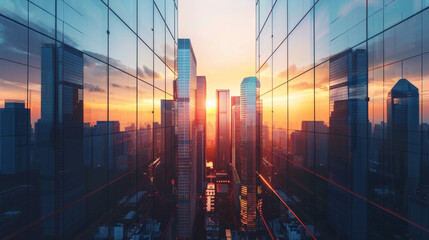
(80,119)
(349,134)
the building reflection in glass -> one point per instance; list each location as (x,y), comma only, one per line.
(250,118)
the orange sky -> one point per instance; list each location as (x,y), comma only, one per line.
(222,33)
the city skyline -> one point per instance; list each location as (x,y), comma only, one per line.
(166,119)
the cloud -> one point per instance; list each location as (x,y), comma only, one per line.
(121,86)
(147,72)
(300,86)
(94,88)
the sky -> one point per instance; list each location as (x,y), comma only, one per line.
(222,33)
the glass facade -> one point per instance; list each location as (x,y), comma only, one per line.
(250,145)
(344,126)
(186,139)
(87,119)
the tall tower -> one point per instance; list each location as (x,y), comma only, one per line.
(403,133)
(347,160)
(223,132)
(201,133)
(186,136)
(61,123)
(250,117)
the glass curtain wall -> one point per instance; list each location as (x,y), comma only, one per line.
(345,117)
(86,116)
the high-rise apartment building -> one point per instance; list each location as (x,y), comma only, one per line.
(186,131)
(250,118)
(223,132)
(201,133)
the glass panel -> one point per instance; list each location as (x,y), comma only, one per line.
(280,138)
(169,82)
(170,7)
(126,10)
(301,55)
(322,31)
(301,94)
(375,17)
(16,10)
(41,20)
(375,52)
(321,91)
(95,91)
(145,64)
(425,30)
(159,36)
(161,6)
(296,11)
(90,38)
(169,47)
(159,74)
(145,19)
(397,11)
(122,100)
(280,65)
(123,57)
(266,135)
(396,46)
(157,129)
(265,77)
(265,8)
(266,48)
(279,22)
(13,44)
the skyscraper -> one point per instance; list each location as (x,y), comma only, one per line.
(235,133)
(223,133)
(186,136)
(201,133)
(404,148)
(14,134)
(250,150)
(63,179)
(348,124)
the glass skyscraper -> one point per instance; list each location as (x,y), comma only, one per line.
(250,142)
(344,117)
(187,139)
(87,119)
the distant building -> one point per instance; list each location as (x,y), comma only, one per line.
(14,136)
(201,133)
(186,137)
(403,131)
(250,118)
(235,133)
(223,133)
